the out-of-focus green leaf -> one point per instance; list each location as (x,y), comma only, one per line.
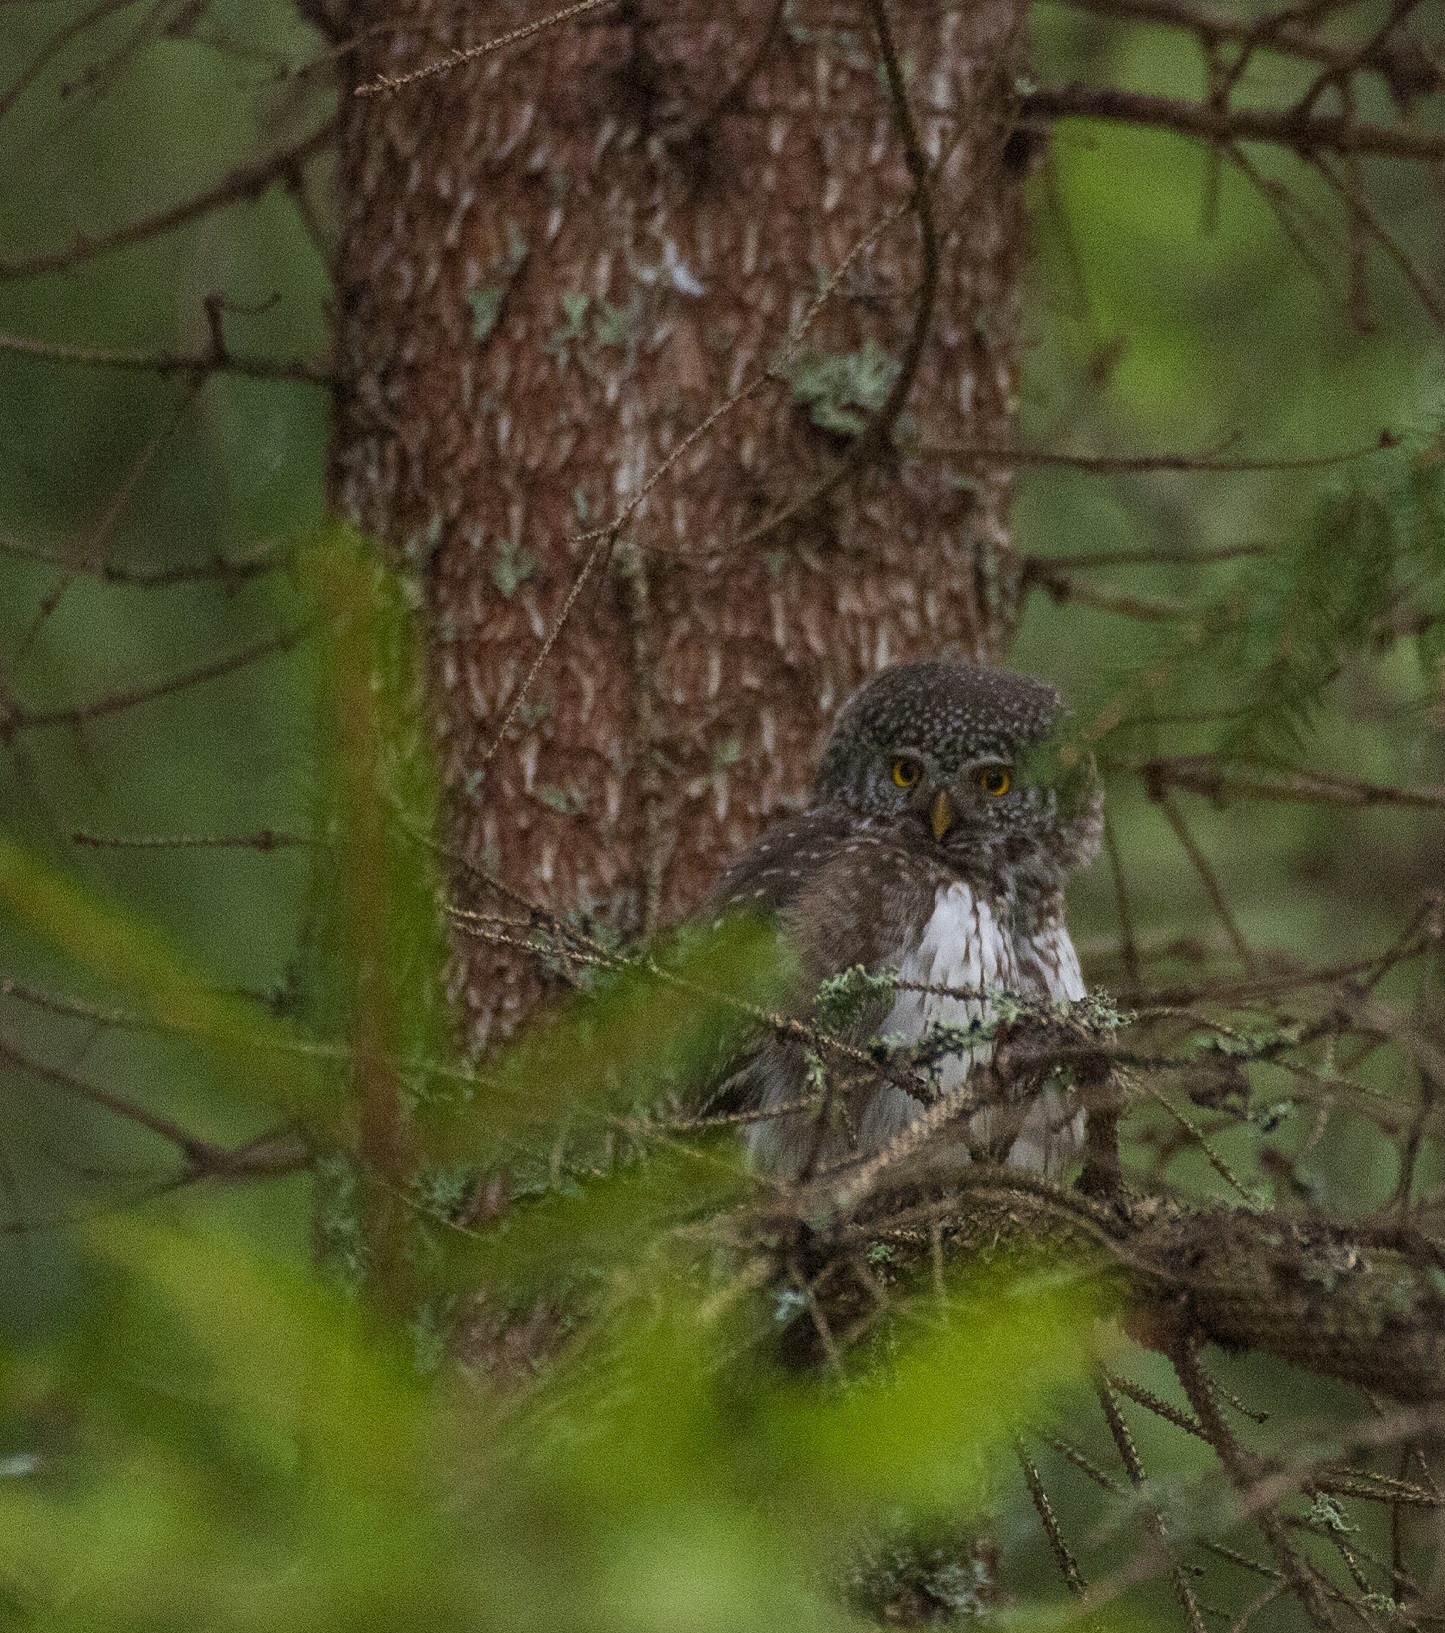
(605,1227)
(921,1433)
(133,958)
(377,945)
(671,1018)
(241,1450)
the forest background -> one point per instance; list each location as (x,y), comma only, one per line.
(1174,304)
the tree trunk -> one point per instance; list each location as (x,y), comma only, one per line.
(558,259)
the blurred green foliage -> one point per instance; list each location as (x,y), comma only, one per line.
(200,1435)
(218,1440)
(235,1449)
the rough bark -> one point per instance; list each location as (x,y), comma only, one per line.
(696,173)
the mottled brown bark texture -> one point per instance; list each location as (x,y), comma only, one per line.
(557,260)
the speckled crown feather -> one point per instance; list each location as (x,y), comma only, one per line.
(952,710)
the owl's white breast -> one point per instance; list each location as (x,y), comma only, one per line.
(967,945)
(1047,960)
(964,945)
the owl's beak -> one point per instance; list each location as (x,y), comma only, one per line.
(940,813)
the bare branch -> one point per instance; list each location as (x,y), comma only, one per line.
(78,1009)
(264,840)
(230,570)
(18,720)
(1133,464)
(1128,947)
(1354,57)
(277,1152)
(1203,774)
(385,84)
(245,182)
(1305,134)
(1207,876)
(1364,212)
(1037,569)
(1404,65)
(880,428)
(1061,589)
(90,548)
(164,362)
(54,45)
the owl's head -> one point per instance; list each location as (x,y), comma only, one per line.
(950,752)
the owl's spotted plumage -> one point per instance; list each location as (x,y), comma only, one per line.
(934,845)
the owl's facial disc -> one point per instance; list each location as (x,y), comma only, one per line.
(966,797)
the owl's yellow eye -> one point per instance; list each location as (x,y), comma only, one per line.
(995,782)
(906,772)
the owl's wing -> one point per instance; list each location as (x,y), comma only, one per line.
(768,878)
(765,882)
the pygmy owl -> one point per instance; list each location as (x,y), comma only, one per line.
(935,843)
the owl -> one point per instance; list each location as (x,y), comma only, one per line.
(934,844)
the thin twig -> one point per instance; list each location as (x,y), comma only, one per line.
(1401,65)
(90,549)
(1197,1135)
(245,182)
(78,1009)
(1339,72)
(1063,1555)
(1128,947)
(875,435)
(266,558)
(1362,210)
(1156,1404)
(77,714)
(1071,1454)
(632,565)
(731,95)
(385,84)
(1129,1456)
(1242,1469)
(1141,464)
(266,839)
(54,44)
(604,538)
(817,1316)
(1061,589)
(1207,876)
(880,428)
(1316,133)
(1040,567)
(1203,774)
(1253,1608)
(1285,208)
(267,1155)
(166,362)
